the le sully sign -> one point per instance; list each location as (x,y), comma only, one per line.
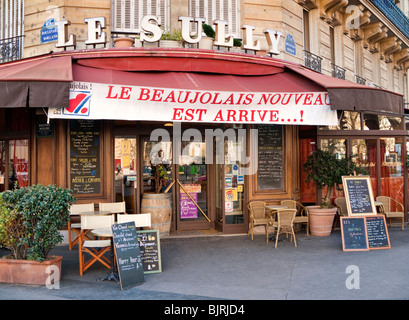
(150,31)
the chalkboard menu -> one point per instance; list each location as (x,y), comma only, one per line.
(270,157)
(358,195)
(149,246)
(85,156)
(128,256)
(354,235)
(378,236)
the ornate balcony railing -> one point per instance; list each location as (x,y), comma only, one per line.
(312,61)
(394,14)
(338,72)
(11,49)
(360,80)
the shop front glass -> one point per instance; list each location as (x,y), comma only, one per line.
(13,164)
(364,154)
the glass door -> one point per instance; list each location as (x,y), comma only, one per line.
(192,187)
(126,176)
(229,185)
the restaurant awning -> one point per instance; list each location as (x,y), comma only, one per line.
(44,81)
(39,82)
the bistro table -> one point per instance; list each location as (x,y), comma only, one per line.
(107,232)
(274,208)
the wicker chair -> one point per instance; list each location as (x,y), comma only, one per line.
(258,216)
(388,205)
(285,224)
(302,212)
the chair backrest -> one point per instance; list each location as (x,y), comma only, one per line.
(140,219)
(258,208)
(389,204)
(291,204)
(76,209)
(341,204)
(97,221)
(286,217)
(114,207)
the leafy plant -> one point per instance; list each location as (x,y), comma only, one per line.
(174,35)
(160,177)
(31,218)
(326,170)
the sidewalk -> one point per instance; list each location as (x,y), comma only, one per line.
(234,267)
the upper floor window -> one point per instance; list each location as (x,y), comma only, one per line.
(227,10)
(11,29)
(127,14)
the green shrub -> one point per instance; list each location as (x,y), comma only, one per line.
(37,213)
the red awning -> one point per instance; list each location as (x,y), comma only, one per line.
(39,82)
(346,95)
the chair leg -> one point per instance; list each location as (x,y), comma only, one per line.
(266,227)
(277,235)
(295,241)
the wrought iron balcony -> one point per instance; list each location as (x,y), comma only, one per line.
(394,14)
(11,49)
(360,80)
(338,72)
(312,61)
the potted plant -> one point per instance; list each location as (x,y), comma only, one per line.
(124,42)
(30,220)
(326,170)
(210,35)
(171,39)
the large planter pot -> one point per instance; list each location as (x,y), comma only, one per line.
(158,205)
(321,220)
(29,272)
(206,43)
(124,42)
(170,44)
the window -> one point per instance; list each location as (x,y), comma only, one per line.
(227,10)
(127,14)
(11,30)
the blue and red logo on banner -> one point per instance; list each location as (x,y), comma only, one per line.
(79,103)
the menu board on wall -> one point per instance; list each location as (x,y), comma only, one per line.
(270,157)
(85,173)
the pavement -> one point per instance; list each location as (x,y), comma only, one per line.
(235,268)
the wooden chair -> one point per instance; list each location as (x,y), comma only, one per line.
(113,207)
(258,216)
(142,220)
(95,248)
(342,210)
(74,224)
(389,204)
(285,224)
(302,212)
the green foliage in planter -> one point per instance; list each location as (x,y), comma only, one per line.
(40,211)
(326,170)
(175,35)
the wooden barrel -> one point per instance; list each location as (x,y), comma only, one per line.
(158,205)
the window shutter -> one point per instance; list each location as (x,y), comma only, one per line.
(127,14)
(228,10)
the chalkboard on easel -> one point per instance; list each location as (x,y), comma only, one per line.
(149,245)
(378,236)
(127,254)
(358,195)
(354,234)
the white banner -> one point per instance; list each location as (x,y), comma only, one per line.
(121,102)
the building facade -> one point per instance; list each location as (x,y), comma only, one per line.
(361,42)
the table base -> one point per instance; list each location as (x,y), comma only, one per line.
(110,276)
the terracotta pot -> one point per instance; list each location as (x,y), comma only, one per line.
(321,220)
(29,272)
(124,42)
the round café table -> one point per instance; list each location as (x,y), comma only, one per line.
(274,208)
(107,233)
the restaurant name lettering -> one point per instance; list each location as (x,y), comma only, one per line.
(150,31)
